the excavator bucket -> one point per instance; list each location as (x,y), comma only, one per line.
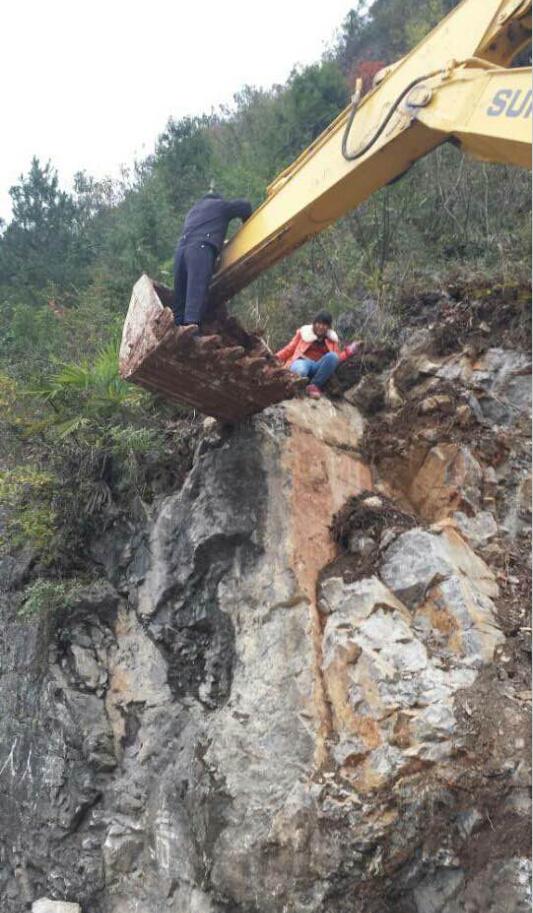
(226,372)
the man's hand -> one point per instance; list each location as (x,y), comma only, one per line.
(355,348)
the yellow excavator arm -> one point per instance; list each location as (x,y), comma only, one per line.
(454,86)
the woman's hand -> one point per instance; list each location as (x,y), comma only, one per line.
(355,347)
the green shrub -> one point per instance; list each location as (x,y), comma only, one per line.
(45,597)
(26,496)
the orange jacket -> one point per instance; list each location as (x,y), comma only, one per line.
(303,339)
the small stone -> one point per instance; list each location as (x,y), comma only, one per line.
(490,480)
(464,414)
(85,667)
(387,536)
(437,721)
(350,751)
(393,398)
(361,545)
(384,763)
(519,802)
(524,496)
(433,894)
(368,394)
(436,404)
(373,502)
(44,905)
(121,851)
(468,821)
(431,435)
(519,743)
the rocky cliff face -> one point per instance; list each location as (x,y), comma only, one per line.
(299,684)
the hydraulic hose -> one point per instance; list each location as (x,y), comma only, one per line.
(353,156)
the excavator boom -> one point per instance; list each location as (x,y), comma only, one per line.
(323,183)
(418,103)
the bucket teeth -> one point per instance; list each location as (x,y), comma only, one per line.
(208,343)
(231,354)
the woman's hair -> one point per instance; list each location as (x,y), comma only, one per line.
(323,317)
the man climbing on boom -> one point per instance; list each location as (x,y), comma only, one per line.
(203,236)
(314,352)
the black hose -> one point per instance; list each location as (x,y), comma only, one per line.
(352,156)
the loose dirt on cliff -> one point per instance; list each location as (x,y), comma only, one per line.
(466,318)
(468,311)
(358,529)
(448,419)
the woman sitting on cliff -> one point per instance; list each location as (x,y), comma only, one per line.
(314,352)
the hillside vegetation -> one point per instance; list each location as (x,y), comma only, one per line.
(78,441)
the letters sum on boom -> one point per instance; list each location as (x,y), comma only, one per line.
(511,103)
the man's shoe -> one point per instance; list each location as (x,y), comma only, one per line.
(313,391)
(188,331)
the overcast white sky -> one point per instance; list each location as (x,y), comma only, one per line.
(90,85)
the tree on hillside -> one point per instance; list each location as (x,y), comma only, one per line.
(388,30)
(43,248)
(267,130)
(182,160)
(313,98)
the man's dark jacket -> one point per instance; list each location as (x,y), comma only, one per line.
(208,220)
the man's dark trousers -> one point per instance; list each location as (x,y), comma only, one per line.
(193,267)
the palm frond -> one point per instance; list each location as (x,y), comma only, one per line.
(71,425)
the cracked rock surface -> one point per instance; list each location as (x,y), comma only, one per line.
(242,715)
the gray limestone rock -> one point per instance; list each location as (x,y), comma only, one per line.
(121,850)
(501,380)
(504,888)
(413,563)
(440,892)
(506,373)
(358,598)
(435,722)
(100,599)
(475,618)
(86,667)
(368,394)
(479,529)
(418,560)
